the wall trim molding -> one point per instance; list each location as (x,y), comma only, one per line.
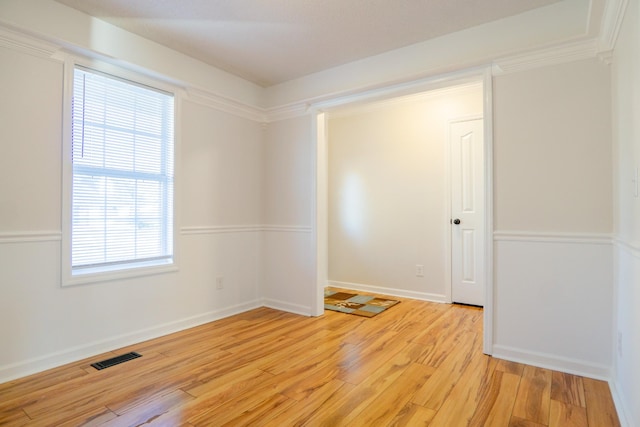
(251,228)
(22,42)
(288,228)
(554,362)
(59,358)
(219,229)
(624,413)
(611,23)
(286,306)
(550,55)
(285,112)
(30,236)
(553,237)
(56,236)
(394,292)
(633,248)
(226,105)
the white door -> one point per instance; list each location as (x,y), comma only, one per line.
(467,212)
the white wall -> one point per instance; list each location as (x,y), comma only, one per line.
(553,149)
(289,200)
(626,107)
(388,192)
(553,217)
(31,155)
(221,166)
(219,202)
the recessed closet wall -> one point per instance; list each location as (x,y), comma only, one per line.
(388,192)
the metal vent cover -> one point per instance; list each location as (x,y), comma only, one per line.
(116,360)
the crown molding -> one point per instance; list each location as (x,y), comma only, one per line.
(287,111)
(600,47)
(210,99)
(606,57)
(611,23)
(256,114)
(551,55)
(27,44)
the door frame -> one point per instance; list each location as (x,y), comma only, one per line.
(319,111)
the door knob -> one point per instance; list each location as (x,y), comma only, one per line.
(456,221)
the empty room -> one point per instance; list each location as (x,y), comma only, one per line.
(320,212)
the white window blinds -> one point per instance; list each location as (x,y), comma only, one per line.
(122,197)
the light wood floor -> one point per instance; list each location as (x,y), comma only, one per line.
(416,364)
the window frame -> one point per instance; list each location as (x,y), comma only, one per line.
(125,270)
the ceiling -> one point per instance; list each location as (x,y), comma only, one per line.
(273,41)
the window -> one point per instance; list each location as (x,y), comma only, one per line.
(122,174)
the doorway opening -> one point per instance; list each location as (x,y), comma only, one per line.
(335,114)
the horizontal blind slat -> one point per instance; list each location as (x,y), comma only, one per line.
(122,150)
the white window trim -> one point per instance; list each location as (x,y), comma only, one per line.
(68,278)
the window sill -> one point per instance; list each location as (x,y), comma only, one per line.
(93,276)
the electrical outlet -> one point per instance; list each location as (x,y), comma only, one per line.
(219,282)
(419,270)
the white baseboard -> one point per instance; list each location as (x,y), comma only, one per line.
(288,307)
(39,364)
(550,361)
(624,413)
(394,292)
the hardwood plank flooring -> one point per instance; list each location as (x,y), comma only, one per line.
(417,364)
(534,395)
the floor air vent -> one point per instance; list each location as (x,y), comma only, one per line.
(116,360)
